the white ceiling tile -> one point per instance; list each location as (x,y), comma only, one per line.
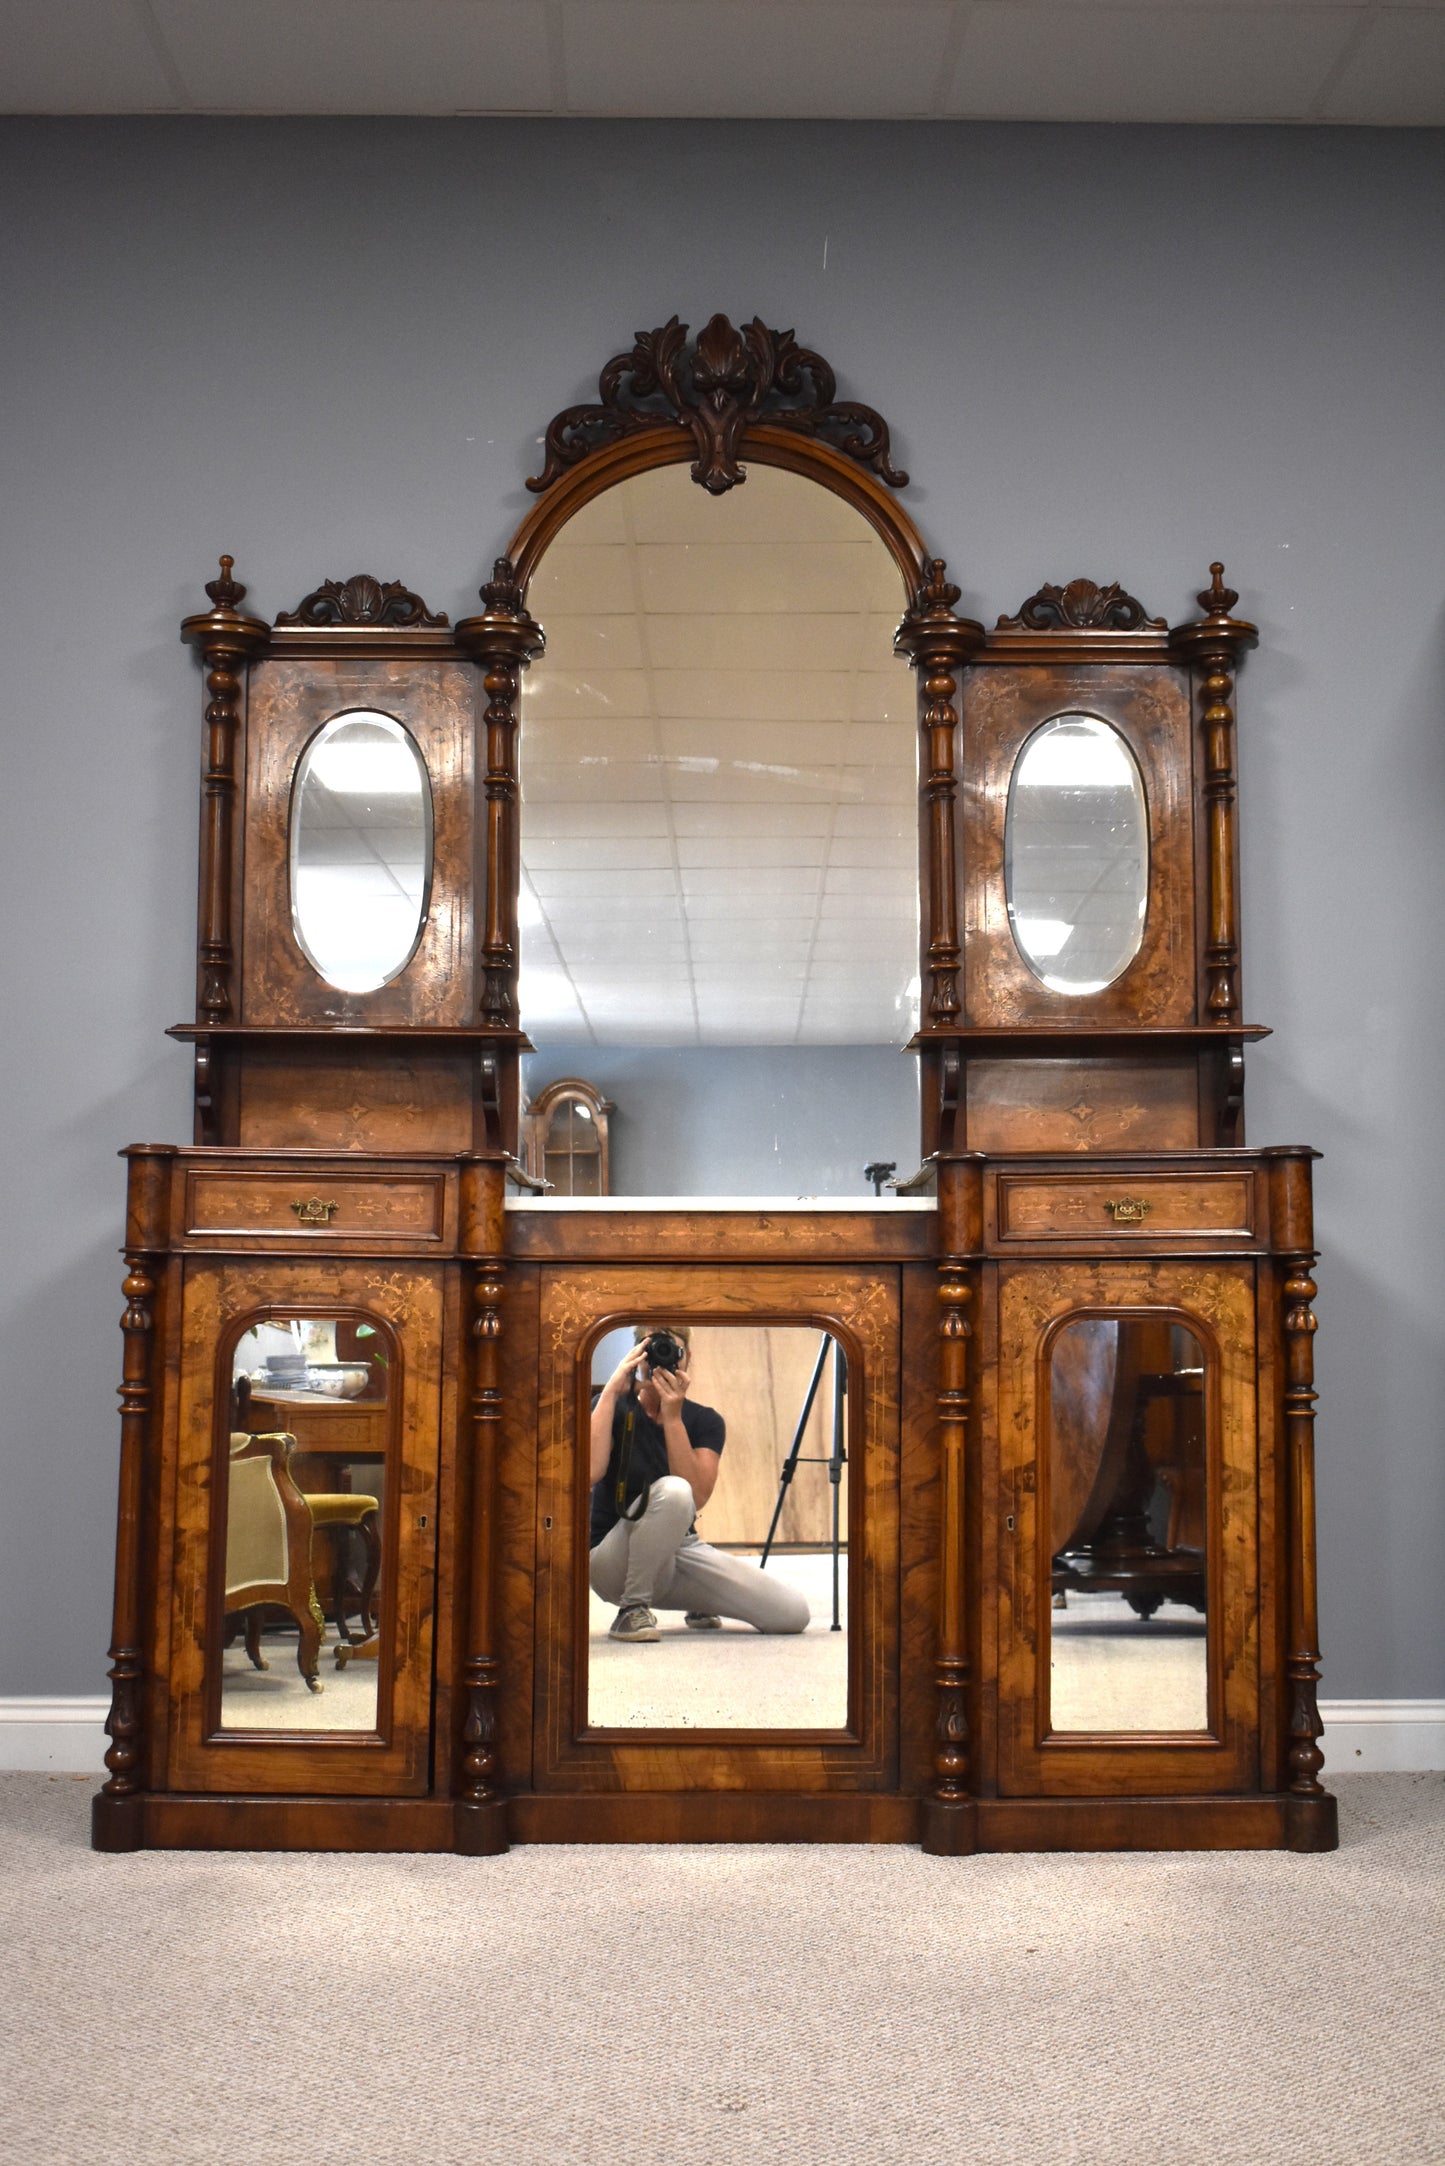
(1395,76)
(546,822)
(635,888)
(720,851)
(774,880)
(723,819)
(619,854)
(360,56)
(565,781)
(592,581)
(824,639)
(581,644)
(691,59)
(763,577)
(564,695)
(95,60)
(1145,63)
(727,695)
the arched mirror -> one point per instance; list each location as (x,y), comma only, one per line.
(719,885)
(361,849)
(1076,854)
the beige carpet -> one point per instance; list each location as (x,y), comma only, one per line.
(705,2007)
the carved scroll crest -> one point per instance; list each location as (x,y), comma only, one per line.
(1082,606)
(714,389)
(361,600)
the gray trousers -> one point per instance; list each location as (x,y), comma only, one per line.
(656,1561)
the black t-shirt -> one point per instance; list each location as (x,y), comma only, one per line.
(646,1454)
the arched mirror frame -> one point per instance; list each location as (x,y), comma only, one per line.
(930,637)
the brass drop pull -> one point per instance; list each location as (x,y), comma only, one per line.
(314,1212)
(1128,1210)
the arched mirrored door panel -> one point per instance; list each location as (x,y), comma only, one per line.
(719,898)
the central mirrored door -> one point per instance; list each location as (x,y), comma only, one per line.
(717,1527)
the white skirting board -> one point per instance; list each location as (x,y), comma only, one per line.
(1393,1737)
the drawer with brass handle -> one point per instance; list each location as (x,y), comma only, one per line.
(1148,1206)
(341,1206)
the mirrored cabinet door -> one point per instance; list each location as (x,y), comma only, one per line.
(1128,1567)
(307,1528)
(721,1611)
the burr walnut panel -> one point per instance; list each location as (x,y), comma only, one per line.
(1149,705)
(291,699)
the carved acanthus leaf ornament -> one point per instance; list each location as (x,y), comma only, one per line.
(727,379)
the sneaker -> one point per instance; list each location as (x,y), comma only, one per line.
(636,1622)
(698,1620)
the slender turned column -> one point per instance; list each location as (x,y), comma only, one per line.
(937,643)
(115,1811)
(503,640)
(949,1817)
(1212,649)
(480,1809)
(481,1822)
(227,641)
(1311,1822)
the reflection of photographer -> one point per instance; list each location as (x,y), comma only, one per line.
(654,1463)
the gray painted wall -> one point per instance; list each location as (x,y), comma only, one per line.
(331,347)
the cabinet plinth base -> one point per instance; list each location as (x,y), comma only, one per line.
(480,1830)
(116,1823)
(1312,1823)
(948,1829)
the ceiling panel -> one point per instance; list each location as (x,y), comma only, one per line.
(102,62)
(689,57)
(1145,63)
(1395,72)
(360,56)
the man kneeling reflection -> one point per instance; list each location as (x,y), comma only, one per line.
(655,1455)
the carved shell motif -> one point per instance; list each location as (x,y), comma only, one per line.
(1081,606)
(361,601)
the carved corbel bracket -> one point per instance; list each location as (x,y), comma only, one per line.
(714,389)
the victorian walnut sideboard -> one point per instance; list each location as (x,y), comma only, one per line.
(1071,1358)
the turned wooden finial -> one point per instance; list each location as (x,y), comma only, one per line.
(225,592)
(1217,599)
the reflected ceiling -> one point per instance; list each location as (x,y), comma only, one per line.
(718,774)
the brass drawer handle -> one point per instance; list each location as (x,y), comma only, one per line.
(1128,1210)
(314,1212)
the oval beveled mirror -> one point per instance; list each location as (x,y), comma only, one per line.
(1076,854)
(719,894)
(361,850)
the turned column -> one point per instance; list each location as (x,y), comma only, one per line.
(937,643)
(949,1816)
(1211,649)
(480,1811)
(1311,1814)
(116,1810)
(227,642)
(502,641)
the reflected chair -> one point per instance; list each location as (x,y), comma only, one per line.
(342,1516)
(268,1548)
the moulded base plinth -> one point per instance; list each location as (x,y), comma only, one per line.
(1312,1823)
(948,1827)
(481,1830)
(116,1823)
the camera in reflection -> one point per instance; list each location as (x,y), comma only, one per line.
(663,1351)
